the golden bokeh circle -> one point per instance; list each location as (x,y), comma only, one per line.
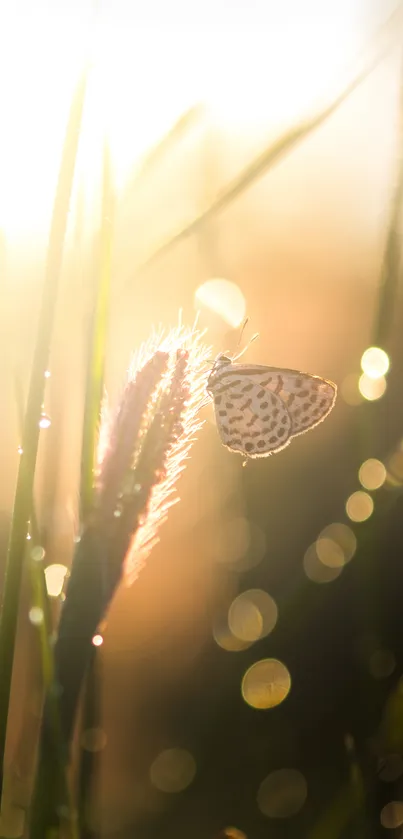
(395,469)
(359,506)
(390,768)
(224,298)
(329,552)
(252,615)
(371,389)
(343,536)
(381,664)
(392,815)
(266,684)
(226,640)
(372,474)
(282,794)
(317,571)
(375,362)
(173,770)
(244,619)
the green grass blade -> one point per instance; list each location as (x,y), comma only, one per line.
(97,346)
(30,439)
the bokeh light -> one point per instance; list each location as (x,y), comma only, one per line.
(317,571)
(226,640)
(394,476)
(266,684)
(372,389)
(224,298)
(350,391)
(93,739)
(38,553)
(359,506)
(36,615)
(381,664)
(97,640)
(173,770)
(375,363)
(329,552)
(343,536)
(372,474)
(55,575)
(44,421)
(252,615)
(390,768)
(244,619)
(392,815)
(282,794)
(239,543)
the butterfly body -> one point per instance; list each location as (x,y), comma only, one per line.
(260,409)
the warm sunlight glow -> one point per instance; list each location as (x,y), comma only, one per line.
(375,363)
(224,298)
(54,576)
(134,102)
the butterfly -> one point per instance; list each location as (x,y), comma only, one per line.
(260,409)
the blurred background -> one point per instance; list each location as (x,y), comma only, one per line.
(252,676)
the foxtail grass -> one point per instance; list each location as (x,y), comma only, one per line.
(143,449)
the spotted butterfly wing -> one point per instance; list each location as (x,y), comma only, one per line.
(260,409)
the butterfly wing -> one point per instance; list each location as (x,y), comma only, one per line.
(308,399)
(247,423)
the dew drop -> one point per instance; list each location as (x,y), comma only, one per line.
(44,421)
(36,615)
(38,553)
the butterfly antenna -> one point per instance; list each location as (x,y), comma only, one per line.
(256,335)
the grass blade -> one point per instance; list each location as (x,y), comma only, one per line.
(23,496)
(97,347)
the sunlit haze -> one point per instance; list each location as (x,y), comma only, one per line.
(150,63)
